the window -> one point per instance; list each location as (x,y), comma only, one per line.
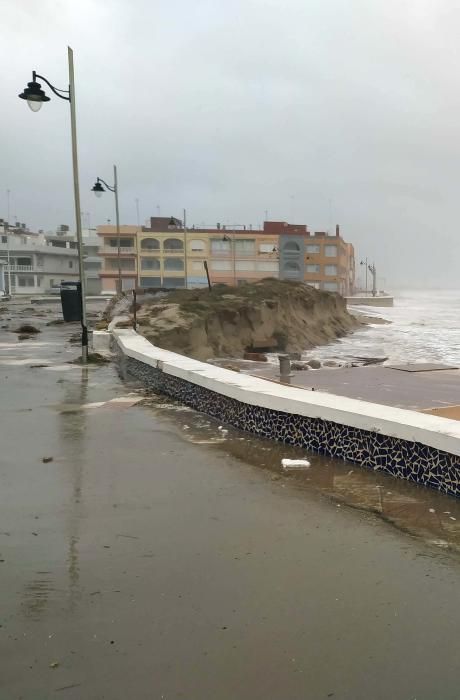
(125,264)
(124,242)
(4,239)
(150,264)
(150,282)
(197,266)
(245,265)
(172,264)
(150,244)
(245,246)
(197,245)
(313,284)
(173,282)
(58,244)
(221,265)
(291,247)
(313,269)
(313,248)
(172,245)
(330,286)
(25,281)
(127,284)
(73,244)
(218,245)
(70,264)
(267,248)
(291,269)
(267,266)
(330,251)
(330,270)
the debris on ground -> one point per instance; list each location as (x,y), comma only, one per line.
(295,463)
(23,336)
(94,358)
(27,328)
(314,364)
(299,365)
(54,664)
(45,460)
(56,322)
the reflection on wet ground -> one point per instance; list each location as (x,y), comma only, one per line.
(416,510)
(413,509)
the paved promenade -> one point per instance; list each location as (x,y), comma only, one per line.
(419,391)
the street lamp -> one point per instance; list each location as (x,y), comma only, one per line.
(364,262)
(99,190)
(35,97)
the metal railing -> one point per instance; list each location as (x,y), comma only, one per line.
(114,250)
(19,268)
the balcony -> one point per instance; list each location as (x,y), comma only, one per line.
(113,250)
(19,268)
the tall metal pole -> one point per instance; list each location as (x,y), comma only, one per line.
(137,213)
(234,259)
(374,280)
(185,249)
(366,276)
(117,219)
(76,191)
(8,242)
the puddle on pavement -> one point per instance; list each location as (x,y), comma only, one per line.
(413,509)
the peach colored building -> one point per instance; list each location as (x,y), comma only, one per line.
(165,255)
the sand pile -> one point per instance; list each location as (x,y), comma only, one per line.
(270,315)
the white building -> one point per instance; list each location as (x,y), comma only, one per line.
(2,278)
(38,263)
(91,261)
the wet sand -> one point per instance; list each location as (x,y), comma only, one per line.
(157,557)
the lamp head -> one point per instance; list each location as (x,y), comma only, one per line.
(98,189)
(34,95)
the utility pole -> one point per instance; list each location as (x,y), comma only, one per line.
(364,262)
(185,250)
(8,241)
(137,212)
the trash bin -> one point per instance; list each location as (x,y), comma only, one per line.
(71,301)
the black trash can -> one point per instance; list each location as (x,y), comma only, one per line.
(71,301)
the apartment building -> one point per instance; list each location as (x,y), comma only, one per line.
(108,252)
(165,255)
(320,259)
(38,263)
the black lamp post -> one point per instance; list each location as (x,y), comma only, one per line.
(99,190)
(35,97)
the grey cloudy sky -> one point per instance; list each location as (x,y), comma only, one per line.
(319,111)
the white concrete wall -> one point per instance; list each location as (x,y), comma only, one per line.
(440,433)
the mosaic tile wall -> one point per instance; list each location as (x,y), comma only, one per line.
(400,458)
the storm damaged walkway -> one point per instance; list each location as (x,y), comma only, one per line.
(145,552)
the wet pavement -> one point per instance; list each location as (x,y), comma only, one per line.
(156,554)
(418,391)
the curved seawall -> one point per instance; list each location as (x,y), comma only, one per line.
(406,444)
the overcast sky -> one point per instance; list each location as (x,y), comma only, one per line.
(318,111)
